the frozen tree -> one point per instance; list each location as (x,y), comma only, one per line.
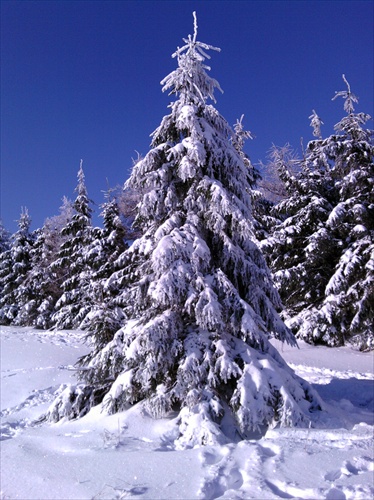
(71,265)
(15,264)
(197,294)
(7,307)
(302,213)
(6,273)
(277,176)
(49,277)
(322,254)
(43,282)
(127,200)
(316,123)
(4,238)
(53,227)
(103,320)
(261,206)
(5,257)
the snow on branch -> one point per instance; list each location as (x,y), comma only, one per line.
(316,123)
(349,97)
(194,48)
(194,26)
(190,79)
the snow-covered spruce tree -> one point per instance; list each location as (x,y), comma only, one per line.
(29,300)
(73,305)
(5,260)
(302,213)
(261,206)
(322,255)
(4,238)
(15,264)
(48,278)
(42,282)
(199,301)
(112,240)
(105,317)
(6,274)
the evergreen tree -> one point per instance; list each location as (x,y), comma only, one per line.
(15,263)
(41,280)
(261,206)
(198,297)
(127,201)
(322,254)
(4,238)
(71,266)
(5,259)
(108,244)
(29,301)
(48,277)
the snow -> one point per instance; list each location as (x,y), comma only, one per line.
(130,455)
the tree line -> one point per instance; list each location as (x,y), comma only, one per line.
(179,306)
(317,237)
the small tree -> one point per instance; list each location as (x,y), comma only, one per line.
(105,318)
(198,297)
(71,266)
(260,206)
(42,282)
(4,238)
(5,257)
(15,264)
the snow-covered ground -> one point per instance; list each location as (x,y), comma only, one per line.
(128,455)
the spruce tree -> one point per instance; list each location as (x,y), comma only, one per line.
(198,296)
(43,281)
(70,264)
(4,238)
(5,257)
(109,242)
(322,254)
(15,264)
(48,278)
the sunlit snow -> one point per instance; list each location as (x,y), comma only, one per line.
(130,455)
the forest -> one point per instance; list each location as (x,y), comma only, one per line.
(200,261)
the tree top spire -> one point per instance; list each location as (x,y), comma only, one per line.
(195,48)
(190,79)
(194,26)
(349,97)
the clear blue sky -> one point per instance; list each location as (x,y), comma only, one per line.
(80,79)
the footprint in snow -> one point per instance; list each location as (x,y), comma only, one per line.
(9,429)
(213,456)
(37,397)
(223,473)
(360,465)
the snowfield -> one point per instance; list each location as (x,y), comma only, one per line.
(129,455)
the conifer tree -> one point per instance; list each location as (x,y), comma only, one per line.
(322,254)
(198,297)
(104,319)
(16,262)
(42,282)
(4,238)
(73,304)
(48,278)
(5,259)
(261,207)
(31,298)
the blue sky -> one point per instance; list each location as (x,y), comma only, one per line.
(80,79)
